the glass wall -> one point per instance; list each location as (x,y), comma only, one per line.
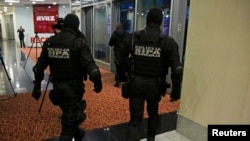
(102,31)
(127,15)
(143,6)
(131,13)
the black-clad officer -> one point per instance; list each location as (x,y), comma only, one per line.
(152,54)
(68,57)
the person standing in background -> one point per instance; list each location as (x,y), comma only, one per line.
(151,53)
(21,36)
(117,41)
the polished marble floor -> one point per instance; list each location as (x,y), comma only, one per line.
(16,77)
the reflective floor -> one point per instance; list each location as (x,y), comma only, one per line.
(16,77)
(11,59)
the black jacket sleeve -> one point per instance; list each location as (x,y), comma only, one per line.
(112,40)
(176,68)
(174,60)
(87,60)
(42,63)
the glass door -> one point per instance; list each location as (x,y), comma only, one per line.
(127,15)
(143,8)
(102,31)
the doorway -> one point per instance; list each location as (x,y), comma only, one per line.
(9,27)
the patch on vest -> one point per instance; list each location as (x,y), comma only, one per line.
(148,51)
(58,53)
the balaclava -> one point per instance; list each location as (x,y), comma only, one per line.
(155,16)
(71,21)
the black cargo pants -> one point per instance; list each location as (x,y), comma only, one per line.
(72,105)
(143,89)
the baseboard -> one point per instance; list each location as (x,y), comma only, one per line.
(191,129)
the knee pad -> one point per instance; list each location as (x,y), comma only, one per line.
(81,116)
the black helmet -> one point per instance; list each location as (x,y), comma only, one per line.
(71,21)
(155,16)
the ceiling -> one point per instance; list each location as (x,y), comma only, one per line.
(3,3)
(28,2)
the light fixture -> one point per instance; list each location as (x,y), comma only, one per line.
(5,9)
(77,1)
(37,0)
(12,1)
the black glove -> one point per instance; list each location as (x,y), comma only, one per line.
(97,85)
(175,93)
(95,77)
(36,94)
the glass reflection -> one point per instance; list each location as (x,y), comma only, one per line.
(102,31)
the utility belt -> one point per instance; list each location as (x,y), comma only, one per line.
(126,91)
(52,79)
(77,111)
(55,94)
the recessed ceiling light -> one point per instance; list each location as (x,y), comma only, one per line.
(37,0)
(12,1)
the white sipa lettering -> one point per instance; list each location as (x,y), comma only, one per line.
(58,53)
(45,18)
(148,51)
(216,132)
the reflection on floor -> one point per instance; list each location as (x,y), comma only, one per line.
(14,65)
(118,132)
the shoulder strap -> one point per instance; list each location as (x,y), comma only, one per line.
(131,57)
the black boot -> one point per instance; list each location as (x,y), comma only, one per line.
(65,138)
(133,133)
(151,138)
(78,136)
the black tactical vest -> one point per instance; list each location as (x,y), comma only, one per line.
(148,58)
(64,60)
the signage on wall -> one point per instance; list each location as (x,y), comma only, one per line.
(38,40)
(44,16)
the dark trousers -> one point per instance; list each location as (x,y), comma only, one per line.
(72,106)
(22,44)
(121,73)
(144,89)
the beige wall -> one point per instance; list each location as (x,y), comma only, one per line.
(216,81)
